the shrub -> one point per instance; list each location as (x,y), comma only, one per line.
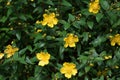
(59,39)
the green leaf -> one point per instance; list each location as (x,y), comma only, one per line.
(3,19)
(86,78)
(101,78)
(83,59)
(16,56)
(34,59)
(22,51)
(71,18)
(49,2)
(39,45)
(97,59)
(18,35)
(99,16)
(90,24)
(78,49)
(9,12)
(29,48)
(66,3)
(4,29)
(61,50)
(22,16)
(99,40)
(28,60)
(85,12)
(37,37)
(76,24)
(80,73)
(85,36)
(87,68)
(2,77)
(104,4)
(82,21)
(66,25)
(22,60)
(116,24)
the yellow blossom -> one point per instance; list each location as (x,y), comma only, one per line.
(49,19)
(10,50)
(31,0)
(70,40)
(39,30)
(115,40)
(8,3)
(11,28)
(94,6)
(38,22)
(116,67)
(107,57)
(68,69)
(44,35)
(1,55)
(43,57)
(91,64)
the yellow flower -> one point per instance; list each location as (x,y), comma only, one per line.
(39,30)
(49,19)
(31,0)
(38,22)
(43,57)
(94,6)
(68,69)
(70,40)
(115,40)
(1,55)
(107,57)
(91,64)
(10,50)
(8,3)
(116,67)
(44,35)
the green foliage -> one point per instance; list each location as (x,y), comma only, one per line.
(18,27)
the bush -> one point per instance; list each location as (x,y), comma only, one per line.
(59,39)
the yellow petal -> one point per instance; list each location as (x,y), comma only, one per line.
(38,56)
(43,23)
(47,56)
(45,15)
(43,63)
(66,45)
(52,14)
(55,21)
(72,45)
(9,55)
(76,39)
(63,70)
(74,72)
(68,75)
(50,25)
(65,39)
(1,55)
(118,43)
(97,1)
(112,43)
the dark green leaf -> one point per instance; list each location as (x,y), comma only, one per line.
(99,16)
(105,4)
(66,3)
(90,24)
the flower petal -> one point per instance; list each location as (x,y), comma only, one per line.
(68,76)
